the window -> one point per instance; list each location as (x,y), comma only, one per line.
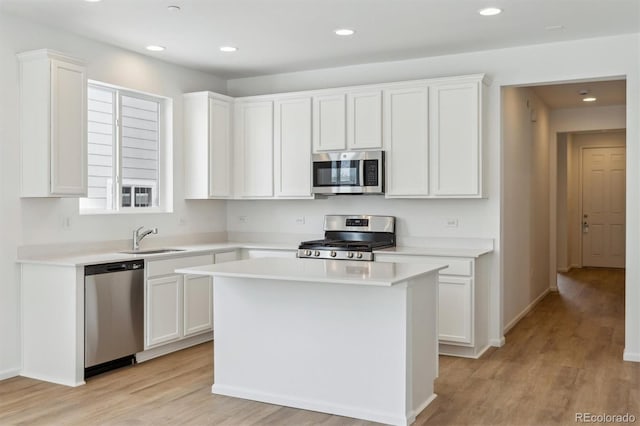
(125,147)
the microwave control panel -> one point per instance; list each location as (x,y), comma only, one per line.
(370,172)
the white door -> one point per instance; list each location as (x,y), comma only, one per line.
(406,128)
(198,304)
(292,160)
(454,140)
(364,120)
(163,309)
(603,207)
(329,123)
(68,129)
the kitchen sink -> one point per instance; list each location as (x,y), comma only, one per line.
(152,251)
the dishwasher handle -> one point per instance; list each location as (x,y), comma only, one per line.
(107,268)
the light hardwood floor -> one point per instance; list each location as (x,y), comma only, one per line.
(562,358)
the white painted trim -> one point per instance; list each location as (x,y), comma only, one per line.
(631,356)
(497,343)
(46,378)
(525,311)
(459,351)
(173,346)
(7,374)
(421,407)
(565,270)
(321,406)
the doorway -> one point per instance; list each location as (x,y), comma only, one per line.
(590,200)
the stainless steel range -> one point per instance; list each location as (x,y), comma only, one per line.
(351,238)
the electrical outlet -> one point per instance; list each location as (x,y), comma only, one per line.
(300,220)
(66,222)
(242,219)
(452,222)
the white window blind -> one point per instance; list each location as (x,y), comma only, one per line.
(123,147)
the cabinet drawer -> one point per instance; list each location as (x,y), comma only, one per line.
(457,266)
(168,266)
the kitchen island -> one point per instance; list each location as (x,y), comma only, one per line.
(357,339)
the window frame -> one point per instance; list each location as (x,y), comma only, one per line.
(165,153)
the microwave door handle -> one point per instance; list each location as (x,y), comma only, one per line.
(361,172)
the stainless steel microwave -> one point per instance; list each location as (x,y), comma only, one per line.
(358,172)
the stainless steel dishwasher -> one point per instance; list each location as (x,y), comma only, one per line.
(113,315)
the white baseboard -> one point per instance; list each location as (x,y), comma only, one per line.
(497,343)
(526,310)
(631,356)
(51,379)
(564,270)
(7,374)
(173,347)
(399,418)
(461,351)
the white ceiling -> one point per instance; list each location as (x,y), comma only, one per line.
(275,36)
(568,95)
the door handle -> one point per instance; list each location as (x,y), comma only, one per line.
(585,227)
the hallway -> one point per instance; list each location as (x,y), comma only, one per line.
(562,358)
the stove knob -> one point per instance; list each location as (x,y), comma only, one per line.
(350,255)
(316,253)
(307,252)
(333,254)
(359,256)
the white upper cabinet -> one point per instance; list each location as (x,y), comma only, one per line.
(292,148)
(53,125)
(456,138)
(406,124)
(208,145)
(329,123)
(364,120)
(254,148)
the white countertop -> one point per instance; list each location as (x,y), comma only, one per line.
(317,270)
(185,250)
(436,251)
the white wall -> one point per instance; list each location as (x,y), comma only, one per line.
(557,62)
(525,218)
(39,221)
(562,244)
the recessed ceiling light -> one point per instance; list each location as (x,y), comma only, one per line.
(228,49)
(344,32)
(490,11)
(155,48)
(589,99)
(173,8)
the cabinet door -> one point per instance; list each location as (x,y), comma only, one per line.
(292,163)
(219,148)
(228,256)
(163,309)
(455,309)
(255,149)
(198,304)
(68,129)
(455,139)
(364,120)
(329,123)
(406,128)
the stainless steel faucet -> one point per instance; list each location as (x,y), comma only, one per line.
(138,236)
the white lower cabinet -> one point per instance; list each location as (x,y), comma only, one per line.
(257,253)
(462,302)
(198,304)
(177,306)
(163,310)
(455,310)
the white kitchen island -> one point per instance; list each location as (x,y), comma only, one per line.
(357,339)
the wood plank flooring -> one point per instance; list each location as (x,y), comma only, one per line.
(562,358)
